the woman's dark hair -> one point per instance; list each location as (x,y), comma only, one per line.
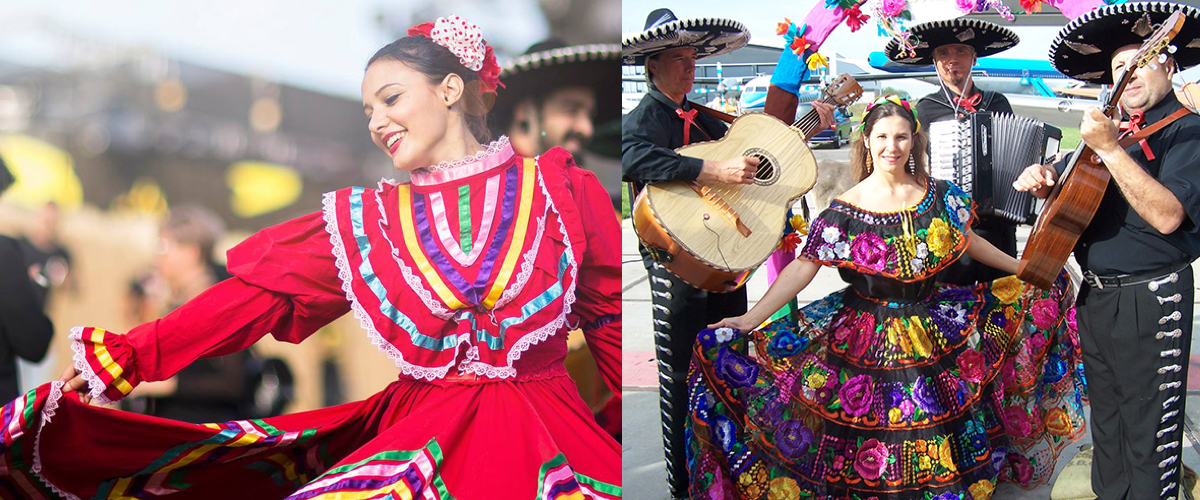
(436,61)
(860,154)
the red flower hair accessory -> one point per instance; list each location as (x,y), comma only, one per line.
(466,42)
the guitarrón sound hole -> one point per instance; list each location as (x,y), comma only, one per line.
(768,169)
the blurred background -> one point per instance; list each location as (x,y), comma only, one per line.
(148,137)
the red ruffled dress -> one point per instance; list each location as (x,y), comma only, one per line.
(468,278)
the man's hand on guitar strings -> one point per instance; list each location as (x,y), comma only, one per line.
(1098,131)
(825,111)
(736,170)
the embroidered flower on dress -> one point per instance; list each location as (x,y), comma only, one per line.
(872,459)
(982,489)
(940,238)
(1071,324)
(825,253)
(1058,423)
(1016,422)
(784,488)
(972,366)
(707,338)
(856,395)
(842,250)
(724,433)
(831,234)
(735,369)
(945,456)
(723,334)
(786,343)
(925,396)
(864,333)
(1045,311)
(918,265)
(922,250)
(1022,471)
(1007,289)
(1056,369)
(869,250)
(793,438)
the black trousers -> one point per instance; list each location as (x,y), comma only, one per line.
(680,312)
(1135,341)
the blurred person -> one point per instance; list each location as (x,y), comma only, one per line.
(210,389)
(468,277)
(556,95)
(48,260)
(25,331)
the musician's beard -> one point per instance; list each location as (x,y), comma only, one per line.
(571,141)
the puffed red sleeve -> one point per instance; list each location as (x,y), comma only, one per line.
(598,289)
(285,283)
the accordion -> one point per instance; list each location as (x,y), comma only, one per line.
(984,153)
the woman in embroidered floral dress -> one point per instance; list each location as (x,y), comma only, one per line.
(468,278)
(895,387)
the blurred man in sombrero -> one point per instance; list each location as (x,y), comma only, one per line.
(557,95)
(1135,307)
(953,46)
(662,121)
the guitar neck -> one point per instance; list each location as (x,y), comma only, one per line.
(809,124)
(1083,151)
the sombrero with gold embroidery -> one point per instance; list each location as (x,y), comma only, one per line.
(986,38)
(710,36)
(1083,49)
(550,65)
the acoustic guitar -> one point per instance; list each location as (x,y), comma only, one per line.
(712,234)
(1076,196)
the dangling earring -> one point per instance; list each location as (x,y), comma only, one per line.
(870,164)
(912,164)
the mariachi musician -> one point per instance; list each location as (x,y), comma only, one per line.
(953,46)
(662,121)
(1135,307)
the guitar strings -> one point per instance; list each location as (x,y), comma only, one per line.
(734,194)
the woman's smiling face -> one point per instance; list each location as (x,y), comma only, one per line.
(406,114)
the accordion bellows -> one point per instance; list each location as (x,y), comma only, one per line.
(984,153)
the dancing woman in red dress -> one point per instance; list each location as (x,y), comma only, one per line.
(468,277)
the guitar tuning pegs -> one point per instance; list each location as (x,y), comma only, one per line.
(1172,48)
(1162,59)
(1153,67)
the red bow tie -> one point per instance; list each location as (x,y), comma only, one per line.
(1135,123)
(689,120)
(969,103)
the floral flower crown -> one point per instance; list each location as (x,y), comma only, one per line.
(466,42)
(894,99)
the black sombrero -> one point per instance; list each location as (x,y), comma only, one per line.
(986,38)
(552,64)
(709,35)
(1083,49)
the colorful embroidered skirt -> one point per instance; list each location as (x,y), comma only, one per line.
(531,439)
(860,399)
